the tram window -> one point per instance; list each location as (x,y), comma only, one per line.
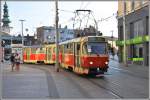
(78,47)
(33,50)
(69,48)
(96,48)
(84,48)
(41,48)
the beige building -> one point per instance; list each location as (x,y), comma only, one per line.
(130,6)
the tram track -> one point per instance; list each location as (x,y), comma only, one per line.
(117,96)
(113,88)
(95,83)
(111,91)
(99,85)
(47,69)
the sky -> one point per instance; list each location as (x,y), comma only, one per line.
(42,13)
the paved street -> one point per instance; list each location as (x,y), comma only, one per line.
(41,81)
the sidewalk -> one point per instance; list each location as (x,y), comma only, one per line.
(31,83)
(142,71)
(35,83)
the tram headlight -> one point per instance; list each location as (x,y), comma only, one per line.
(106,62)
(91,62)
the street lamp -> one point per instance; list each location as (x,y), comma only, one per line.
(22,36)
(22,31)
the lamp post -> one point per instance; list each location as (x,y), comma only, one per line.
(22,36)
(1,70)
(11,36)
(112,44)
(22,31)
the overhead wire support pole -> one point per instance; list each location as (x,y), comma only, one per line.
(57,36)
(124,34)
(112,45)
(1,69)
(22,36)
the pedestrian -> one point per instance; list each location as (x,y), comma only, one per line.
(17,61)
(12,60)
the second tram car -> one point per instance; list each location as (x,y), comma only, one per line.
(84,55)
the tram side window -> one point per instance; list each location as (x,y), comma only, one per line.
(33,50)
(78,49)
(69,48)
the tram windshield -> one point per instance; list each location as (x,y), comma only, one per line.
(95,48)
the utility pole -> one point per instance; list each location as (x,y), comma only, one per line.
(22,31)
(22,36)
(57,36)
(124,33)
(112,45)
(0,28)
(1,70)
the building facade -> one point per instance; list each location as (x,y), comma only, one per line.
(46,34)
(136,14)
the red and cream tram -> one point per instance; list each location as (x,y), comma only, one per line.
(84,55)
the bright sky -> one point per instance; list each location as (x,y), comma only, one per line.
(43,14)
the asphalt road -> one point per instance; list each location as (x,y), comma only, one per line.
(42,81)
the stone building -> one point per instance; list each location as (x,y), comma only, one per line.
(136,14)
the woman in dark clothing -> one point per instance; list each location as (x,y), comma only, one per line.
(17,61)
(12,59)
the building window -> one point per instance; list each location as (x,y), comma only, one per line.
(125,6)
(131,30)
(144,1)
(138,28)
(147,25)
(132,4)
(121,33)
(138,51)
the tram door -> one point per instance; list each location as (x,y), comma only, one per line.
(77,54)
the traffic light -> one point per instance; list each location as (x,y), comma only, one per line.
(3,43)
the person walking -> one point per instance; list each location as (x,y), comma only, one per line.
(12,59)
(17,61)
